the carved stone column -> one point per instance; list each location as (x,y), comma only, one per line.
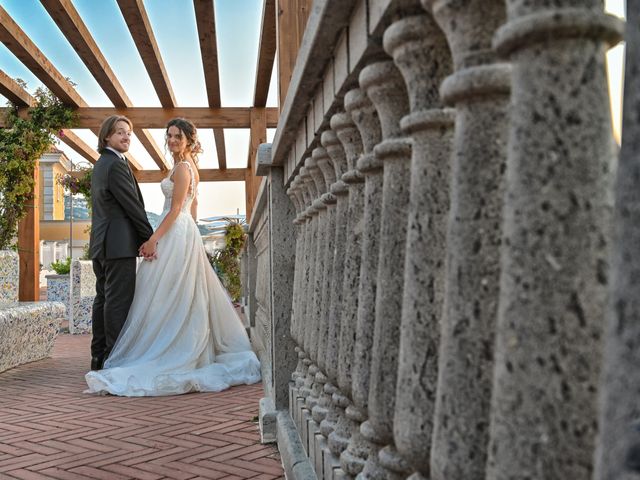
(480,92)
(556,228)
(618,454)
(339,189)
(315,279)
(420,51)
(294,195)
(365,116)
(349,136)
(386,89)
(323,276)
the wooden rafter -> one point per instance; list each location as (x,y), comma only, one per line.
(79,145)
(206,23)
(266,53)
(157,117)
(14,92)
(206,175)
(32,57)
(74,29)
(18,95)
(22,47)
(139,25)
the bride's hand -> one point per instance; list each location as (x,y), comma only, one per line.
(148,249)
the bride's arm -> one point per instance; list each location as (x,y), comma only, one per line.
(181,181)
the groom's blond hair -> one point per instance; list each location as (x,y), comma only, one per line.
(108,127)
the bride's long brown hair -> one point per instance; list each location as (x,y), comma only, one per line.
(190,132)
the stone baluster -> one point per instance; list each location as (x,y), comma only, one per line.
(339,189)
(557,224)
(421,53)
(618,453)
(386,89)
(309,192)
(294,196)
(365,116)
(297,188)
(319,210)
(479,90)
(320,399)
(326,236)
(349,135)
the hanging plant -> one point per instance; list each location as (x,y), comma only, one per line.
(78,183)
(22,142)
(226,262)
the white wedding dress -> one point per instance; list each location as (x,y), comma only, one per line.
(182,332)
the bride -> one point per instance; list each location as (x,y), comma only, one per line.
(182,333)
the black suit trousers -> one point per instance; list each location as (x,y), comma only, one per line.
(115,286)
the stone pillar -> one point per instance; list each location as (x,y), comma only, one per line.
(386,89)
(618,453)
(365,116)
(349,136)
(312,318)
(479,90)
(281,238)
(557,223)
(322,400)
(420,52)
(339,189)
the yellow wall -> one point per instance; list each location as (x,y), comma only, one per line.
(54,230)
(58,193)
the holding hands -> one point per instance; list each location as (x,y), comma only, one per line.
(149,249)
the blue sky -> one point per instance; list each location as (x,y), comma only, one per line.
(173,23)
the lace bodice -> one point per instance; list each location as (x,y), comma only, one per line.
(167,185)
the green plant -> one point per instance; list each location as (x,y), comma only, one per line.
(226,262)
(62,267)
(22,143)
(78,182)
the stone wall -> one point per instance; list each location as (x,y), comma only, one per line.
(9,276)
(451,165)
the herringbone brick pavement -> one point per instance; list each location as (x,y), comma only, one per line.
(50,429)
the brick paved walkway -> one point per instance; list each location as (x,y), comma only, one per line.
(50,429)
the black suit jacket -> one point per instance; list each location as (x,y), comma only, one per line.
(119,224)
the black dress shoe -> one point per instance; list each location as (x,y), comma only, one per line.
(97,363)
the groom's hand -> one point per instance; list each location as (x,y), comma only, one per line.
(148,250)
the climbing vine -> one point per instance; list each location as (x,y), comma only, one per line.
(22,142)
(226,262)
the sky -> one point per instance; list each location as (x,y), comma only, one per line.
(173,24)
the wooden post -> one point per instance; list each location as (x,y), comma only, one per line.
(258,136)
(29,246)
(290,25)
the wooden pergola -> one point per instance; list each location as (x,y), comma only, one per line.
(282,27)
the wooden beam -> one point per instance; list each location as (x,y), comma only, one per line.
(206,175)
(74,29)
(287,35)
(206,23)
(138,22)
(266,53)
(154,117)
(22,47)
(14,92)
(149,143)
(258,136)
(29,246)
(79,145)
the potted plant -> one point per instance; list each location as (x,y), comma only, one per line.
(226,262)
(23,141)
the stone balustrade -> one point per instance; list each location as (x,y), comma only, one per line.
(436,290)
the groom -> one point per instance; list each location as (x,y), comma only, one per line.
(119,226)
